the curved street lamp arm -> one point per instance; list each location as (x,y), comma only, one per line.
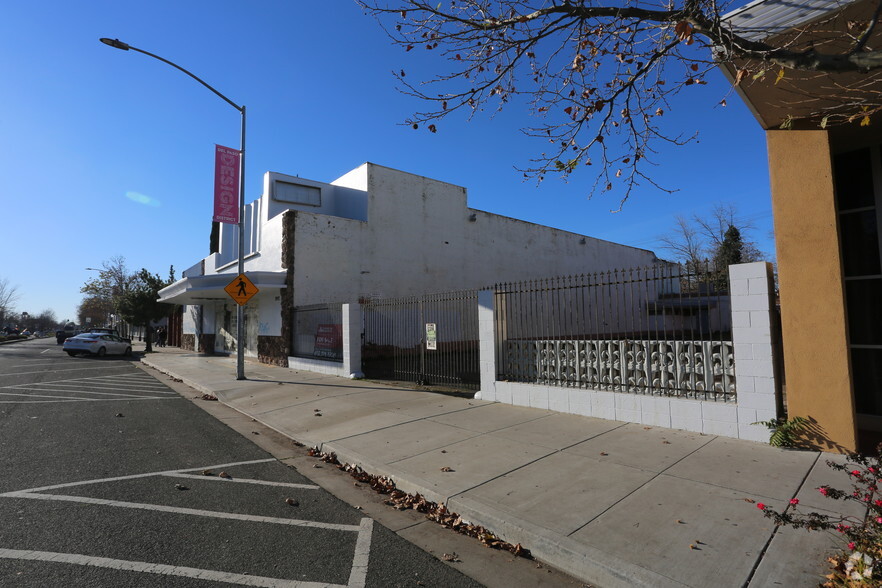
(116,43)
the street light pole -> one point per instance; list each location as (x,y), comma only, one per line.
(240,310)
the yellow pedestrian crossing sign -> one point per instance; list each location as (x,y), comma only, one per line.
(241,289)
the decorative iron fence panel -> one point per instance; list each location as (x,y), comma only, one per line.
(396,347)
(317,332)
(663,330)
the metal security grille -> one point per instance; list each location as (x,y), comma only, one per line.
(430,340)
(662,330)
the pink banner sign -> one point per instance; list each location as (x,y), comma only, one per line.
(226,185)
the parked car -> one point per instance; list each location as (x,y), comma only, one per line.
(105,331)
(97,344)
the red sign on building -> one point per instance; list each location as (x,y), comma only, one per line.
(226,185)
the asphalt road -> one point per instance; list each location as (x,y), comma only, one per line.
(111,478)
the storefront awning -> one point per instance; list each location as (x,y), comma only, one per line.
(202,289)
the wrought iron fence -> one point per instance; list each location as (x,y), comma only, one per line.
(430,340)
(317,332)
(662,330)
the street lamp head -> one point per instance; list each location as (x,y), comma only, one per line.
(115,43)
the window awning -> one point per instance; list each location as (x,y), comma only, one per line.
(202,289)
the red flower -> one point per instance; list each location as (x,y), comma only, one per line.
(856,473)
(823,490)
(760,506)
(878,502)
(851,545)
(794,501)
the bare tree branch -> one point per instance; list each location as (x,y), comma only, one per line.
(599,75)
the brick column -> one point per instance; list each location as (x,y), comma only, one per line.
(753,303)
(487,344)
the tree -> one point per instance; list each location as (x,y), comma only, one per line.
(712,243)
(700,238)
(139,306)
(104,292)
(8,297)
(601,74)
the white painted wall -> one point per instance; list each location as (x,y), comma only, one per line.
(420,237)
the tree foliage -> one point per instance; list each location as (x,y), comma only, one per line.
(139,306)
(104,292)
(600,75)
(721,236)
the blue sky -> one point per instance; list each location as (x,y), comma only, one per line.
(108,153)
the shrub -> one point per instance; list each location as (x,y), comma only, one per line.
(860,561)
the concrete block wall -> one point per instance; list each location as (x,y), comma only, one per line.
(752,303)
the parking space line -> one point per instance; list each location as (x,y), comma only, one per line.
(147,475)
(161,569)
(66,398)
(243,481)
(77,391)
(187,511)
(358,575)
(64,370)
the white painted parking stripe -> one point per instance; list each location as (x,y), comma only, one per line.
(49,396)
(244,481)
(101,385)
(69,399)
(64,370)
(161,569)
(135,476)
(358,575)
(77,391)
(38,401)
(187,511)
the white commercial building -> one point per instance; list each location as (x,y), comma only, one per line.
(375,232)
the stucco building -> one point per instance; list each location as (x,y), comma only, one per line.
(826,184)
(375,232)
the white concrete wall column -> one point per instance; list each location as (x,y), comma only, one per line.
(487,344)
(753,306)
(352,330)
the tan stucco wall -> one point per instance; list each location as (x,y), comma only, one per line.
(810,277)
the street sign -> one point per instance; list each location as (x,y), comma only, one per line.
(241,289)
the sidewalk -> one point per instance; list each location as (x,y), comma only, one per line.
(611,503)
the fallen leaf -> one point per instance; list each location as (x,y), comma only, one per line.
(180,487)
(225,475)
(750,500)
(447,469)
(292,502)
(450,557)
(604,453)
(207,473)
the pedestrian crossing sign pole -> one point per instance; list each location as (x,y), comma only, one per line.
(241,289)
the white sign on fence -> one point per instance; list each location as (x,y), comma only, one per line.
(431,336)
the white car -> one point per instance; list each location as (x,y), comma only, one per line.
(99,344)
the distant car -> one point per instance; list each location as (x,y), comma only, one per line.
(97,344)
